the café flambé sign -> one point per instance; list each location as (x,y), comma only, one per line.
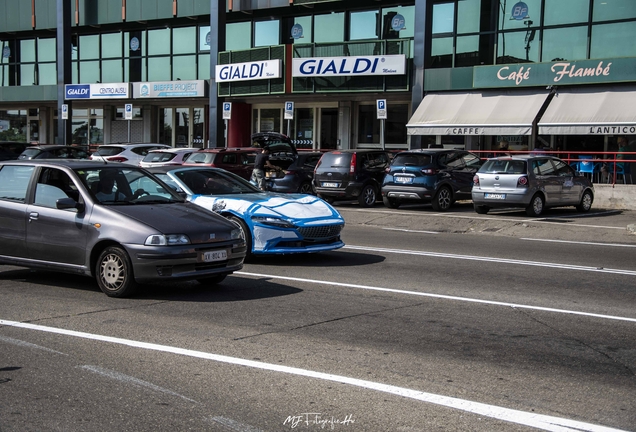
(555,73)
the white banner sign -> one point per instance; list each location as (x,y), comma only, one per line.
(266,69)
(347,66)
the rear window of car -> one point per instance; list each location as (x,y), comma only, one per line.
(30,153)
(143,151)
(506,166)
(336,160)
(109,150)
(159,157)
(412,159)
(201,158)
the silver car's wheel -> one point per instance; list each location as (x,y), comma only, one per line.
(586,202)
(114,272)
(443,199)
(535,208)
(368,196)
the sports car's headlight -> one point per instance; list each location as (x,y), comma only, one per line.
(167,240)
(268,220)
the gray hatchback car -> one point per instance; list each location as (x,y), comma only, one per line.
(533,182)
(114,222)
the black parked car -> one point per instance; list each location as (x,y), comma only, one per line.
(438,176)
(11,150)
(351,174)
(49,151)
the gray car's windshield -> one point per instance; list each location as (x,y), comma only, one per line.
(111,185)
(214,182)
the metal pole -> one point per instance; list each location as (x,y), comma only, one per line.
(129,131)
(225,132)
(382,134)
(288,127)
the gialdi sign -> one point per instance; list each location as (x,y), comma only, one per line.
(555,73)
(97,91)
(348,66)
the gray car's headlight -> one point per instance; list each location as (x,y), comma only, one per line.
(167,240)
(236,234)
(268,220)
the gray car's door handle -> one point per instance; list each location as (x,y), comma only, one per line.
(33,216)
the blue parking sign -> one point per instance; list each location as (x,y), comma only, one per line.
(381,109)
(227,110)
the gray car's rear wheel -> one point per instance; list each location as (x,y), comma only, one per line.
(391,202)
(443,199)
(481,209)
(114,272)
(535,208)
(368,196)
(586,202)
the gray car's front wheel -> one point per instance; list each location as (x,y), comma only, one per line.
(586,202)
(114,272)
(535,208)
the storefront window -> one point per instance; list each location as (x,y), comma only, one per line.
(611,40)
(238,36)
(184,40)
(266,33)
(395,124)
(363,25)
(87,127)
(165,126)
(89,71)
(111,45)
(605,10)
(270,120)
(516,18)
(407,31)
(204,66)
(305,23)
(566,11)
(158,42)
(329,28)
(568,43)
(89,47)
(185,67)
(303,130)
(468,16)
(443,18)
(518,47)
(159,69)
(467,52)
(441,53)
(13,125)
(46,50)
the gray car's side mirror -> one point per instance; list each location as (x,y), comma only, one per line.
(69,203)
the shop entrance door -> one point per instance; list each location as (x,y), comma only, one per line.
(182,126)
(328,128)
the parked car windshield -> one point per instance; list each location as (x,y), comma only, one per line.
(214,182)
(111,185)
(503,166)
(412,159)
(335,160)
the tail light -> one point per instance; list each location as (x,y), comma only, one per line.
(117,159)
(429,171)
(522,181)
(476,180)
(352,166)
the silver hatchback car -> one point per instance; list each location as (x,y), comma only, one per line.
(533,182)
(114,222)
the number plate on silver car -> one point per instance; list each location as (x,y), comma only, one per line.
(219,255)
(328,184)
(495,196)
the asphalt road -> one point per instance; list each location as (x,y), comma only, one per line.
(423,322)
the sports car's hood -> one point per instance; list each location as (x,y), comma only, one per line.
(288,206)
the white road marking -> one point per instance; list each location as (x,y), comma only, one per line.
(18,342)
(454,215)
(409,230)
(496,260)
(581,243)
(530,419)
(132,380)
(440,296)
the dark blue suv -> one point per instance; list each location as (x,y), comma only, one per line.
(438,176)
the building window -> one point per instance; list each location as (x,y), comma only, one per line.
(613,40)
(605,10)
(266,33)
(569,43)
(329,28)
(238,36)
(305,25)
(363,25)
(566,12)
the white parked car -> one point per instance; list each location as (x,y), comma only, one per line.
(126,153)
(170,156)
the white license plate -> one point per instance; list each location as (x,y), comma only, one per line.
(404,180)
(328,184)
(495,196)
(219,255)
